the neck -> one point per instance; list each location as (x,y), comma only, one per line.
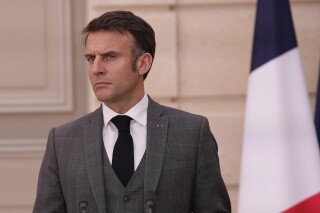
(124,106)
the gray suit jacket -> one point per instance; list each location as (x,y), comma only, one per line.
(182,165)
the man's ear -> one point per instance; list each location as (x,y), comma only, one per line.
(144,63)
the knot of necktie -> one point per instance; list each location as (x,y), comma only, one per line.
(122,122)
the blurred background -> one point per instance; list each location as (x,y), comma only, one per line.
(201,65)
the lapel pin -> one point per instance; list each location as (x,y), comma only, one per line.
(159,125)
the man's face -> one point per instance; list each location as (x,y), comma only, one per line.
(109,54)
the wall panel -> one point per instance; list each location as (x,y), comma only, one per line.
(36,54)
(42,85)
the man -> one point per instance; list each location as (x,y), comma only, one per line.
(132,154)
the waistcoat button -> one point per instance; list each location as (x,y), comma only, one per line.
(125,198)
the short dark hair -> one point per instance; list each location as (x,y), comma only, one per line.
(126,22)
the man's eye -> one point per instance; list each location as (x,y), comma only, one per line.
(110,57)
(90,59)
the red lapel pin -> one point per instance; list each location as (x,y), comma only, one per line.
(159,125)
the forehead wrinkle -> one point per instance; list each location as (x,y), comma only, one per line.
(114,45)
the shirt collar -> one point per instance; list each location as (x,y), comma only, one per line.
(138,112)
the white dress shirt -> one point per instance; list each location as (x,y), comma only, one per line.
(138,129)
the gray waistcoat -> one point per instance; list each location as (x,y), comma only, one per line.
(118,198)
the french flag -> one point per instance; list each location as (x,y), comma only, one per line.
(317,111)
(280,168)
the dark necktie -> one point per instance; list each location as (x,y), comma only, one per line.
(122,158)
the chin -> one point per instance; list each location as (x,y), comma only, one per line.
(102,97)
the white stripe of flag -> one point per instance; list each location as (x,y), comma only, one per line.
(280,169)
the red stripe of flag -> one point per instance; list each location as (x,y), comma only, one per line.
(310,205)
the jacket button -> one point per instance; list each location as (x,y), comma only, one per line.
(125,198)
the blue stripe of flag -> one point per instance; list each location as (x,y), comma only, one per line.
(317,113)
(274,32)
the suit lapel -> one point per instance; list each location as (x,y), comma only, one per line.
(93,157)
(157,126)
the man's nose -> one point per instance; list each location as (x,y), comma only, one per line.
(97,66)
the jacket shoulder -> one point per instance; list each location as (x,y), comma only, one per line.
(183,119)
(74,125)
(163,110)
